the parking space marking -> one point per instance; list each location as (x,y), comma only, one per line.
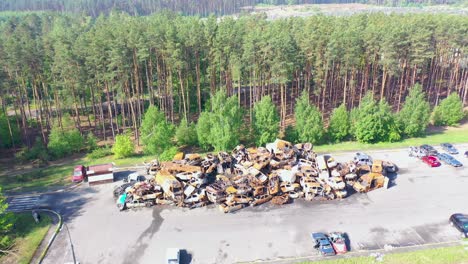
(423,241)
(24,203)
(407,238)
(394,239)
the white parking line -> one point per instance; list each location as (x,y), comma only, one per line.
(24,203)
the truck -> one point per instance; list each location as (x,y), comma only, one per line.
(94,174)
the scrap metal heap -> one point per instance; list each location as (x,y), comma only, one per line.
(278,172)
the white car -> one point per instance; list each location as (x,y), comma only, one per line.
(173,256)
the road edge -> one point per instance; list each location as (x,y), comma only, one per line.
(359,253)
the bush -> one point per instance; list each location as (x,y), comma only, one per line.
(186,134)
(123,146)
(309,125)
(415,114)
(449,111)
(99,153)
(91,141)
(339,124)
(265,121)
(62,143)
(38,151)
(168,154)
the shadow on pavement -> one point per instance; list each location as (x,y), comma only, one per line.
(392,179)
(347,241)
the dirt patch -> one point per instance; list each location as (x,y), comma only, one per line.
(438,129)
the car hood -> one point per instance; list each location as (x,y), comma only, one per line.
(328,250)
(339,247)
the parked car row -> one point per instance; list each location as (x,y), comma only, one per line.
(433,158)
(330,244)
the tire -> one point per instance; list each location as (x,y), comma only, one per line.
(121,207)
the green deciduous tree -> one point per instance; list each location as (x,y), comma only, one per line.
(449,111)
(203,130)
(309,124)
(156,132)
(220,127)
(415,114)
(375,122)
(123,146)
(225,121)
(339,124)
(186,133)
(265,121)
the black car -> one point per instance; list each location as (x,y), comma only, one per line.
(448,159)
(460,221)
(429,150)
(466,154)
(449,148)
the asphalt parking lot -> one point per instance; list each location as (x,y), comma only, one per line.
(413,211)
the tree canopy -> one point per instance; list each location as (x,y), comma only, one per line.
(106,71)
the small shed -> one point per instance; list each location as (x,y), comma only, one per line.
(99,174)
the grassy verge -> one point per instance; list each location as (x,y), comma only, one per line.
(39,178)
(452,136)
(446,255)
(27,236)
(60,175)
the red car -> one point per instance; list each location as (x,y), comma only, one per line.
(338,242)
(79,173)
(431,161)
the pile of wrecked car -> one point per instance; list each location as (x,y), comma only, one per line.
(276,173)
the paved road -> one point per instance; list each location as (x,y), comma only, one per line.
(413,211)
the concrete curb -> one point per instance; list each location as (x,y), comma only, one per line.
(358,253)
(51,240)
(66,188)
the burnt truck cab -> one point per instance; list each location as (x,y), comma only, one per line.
(79,173)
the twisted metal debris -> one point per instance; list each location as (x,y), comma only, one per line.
(276,173)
